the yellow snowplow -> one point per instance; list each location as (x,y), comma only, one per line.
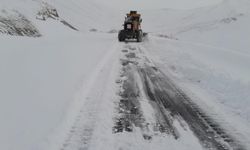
(132,27)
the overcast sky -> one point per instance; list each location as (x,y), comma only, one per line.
(151,4)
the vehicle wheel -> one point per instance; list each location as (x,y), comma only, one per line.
(121,36)
(139,36)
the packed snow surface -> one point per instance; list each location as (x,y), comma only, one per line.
(60,62)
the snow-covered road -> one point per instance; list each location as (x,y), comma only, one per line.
(132,104)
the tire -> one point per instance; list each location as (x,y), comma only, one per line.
(121,36)
(139,36)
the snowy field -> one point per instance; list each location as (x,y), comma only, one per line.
(62,73)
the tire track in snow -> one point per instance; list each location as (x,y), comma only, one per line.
(168,101)
(80,136)
(130,111)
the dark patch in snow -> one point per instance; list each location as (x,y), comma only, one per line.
(130,55)
(167,36)
(122,124)
(93,30)
(129,106)
(113,31)
(229,20)
(147,137)
(124,50)
(125,62)
(68,25)
(232,18)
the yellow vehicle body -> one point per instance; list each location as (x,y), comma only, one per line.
(132,27)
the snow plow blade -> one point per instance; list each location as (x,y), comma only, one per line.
(145,34)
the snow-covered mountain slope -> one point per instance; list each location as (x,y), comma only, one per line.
(224,22)
(83,15)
